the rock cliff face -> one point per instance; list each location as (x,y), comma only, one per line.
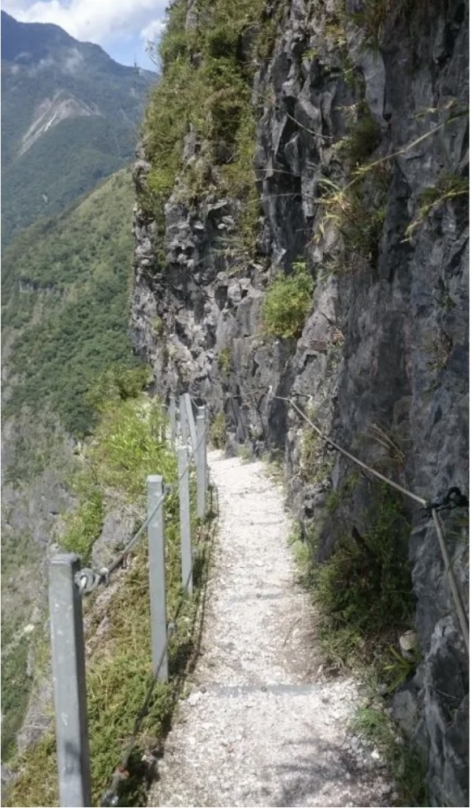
(382,360)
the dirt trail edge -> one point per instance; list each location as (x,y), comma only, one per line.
(262,725)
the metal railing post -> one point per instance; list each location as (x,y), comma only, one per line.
(185,532)
(201,460)
(183,421)
(191,422)
(157,578)
(172,418)
(70,698)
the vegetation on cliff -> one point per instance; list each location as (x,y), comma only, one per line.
(207,72)
(124,449)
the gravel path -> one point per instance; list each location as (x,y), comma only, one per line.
(262,725)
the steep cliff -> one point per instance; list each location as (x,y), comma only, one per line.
(301,231)
(65,302)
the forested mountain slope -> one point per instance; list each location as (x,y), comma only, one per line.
(70,117)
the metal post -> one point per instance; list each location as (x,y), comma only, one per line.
(68,665)
(201,460)
(191,422)
(172,421)
(157,579)
(185,535)
(183,421)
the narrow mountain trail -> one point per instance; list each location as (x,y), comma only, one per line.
(263,725)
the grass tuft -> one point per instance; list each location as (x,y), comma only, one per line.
(364,589)
(218,431)
(287,303)
(407,765)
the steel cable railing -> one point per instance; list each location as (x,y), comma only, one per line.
(68,583)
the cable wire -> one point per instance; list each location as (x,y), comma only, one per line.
(431,509)
(364,466)
(88,580)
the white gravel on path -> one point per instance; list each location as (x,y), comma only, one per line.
(262,724)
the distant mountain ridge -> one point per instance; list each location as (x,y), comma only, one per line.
(69,119)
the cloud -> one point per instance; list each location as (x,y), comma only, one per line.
(92,21)
(152,31)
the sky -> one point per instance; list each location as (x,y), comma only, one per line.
(123,28)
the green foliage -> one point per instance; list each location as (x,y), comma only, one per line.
(21,577)
(124,450)
(118,383)
(449,187)
(225,359)
(244,452)
(15,692)
(77,273)
(173,44)
(407,765)
(304,549)
(314,463)
(270,27)
(364,588)
(357,212)
(309,453)
(218,431)
(333,501)
(397,669)
(37,780)
(210,93)
(238,179)
(373,16)
(126,447)
(81,155)
(364,136)
(84,526)
(287,303)
(36,444)
(373,724)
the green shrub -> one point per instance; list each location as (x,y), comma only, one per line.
(126,448)
(333,501)
(358,213)
(287,303)
(118,383)
(364,589)
(225,358)
(222,41)
(84,526)
(218,431)
(407,765)
(173,44)
(207,85)
(364,136)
